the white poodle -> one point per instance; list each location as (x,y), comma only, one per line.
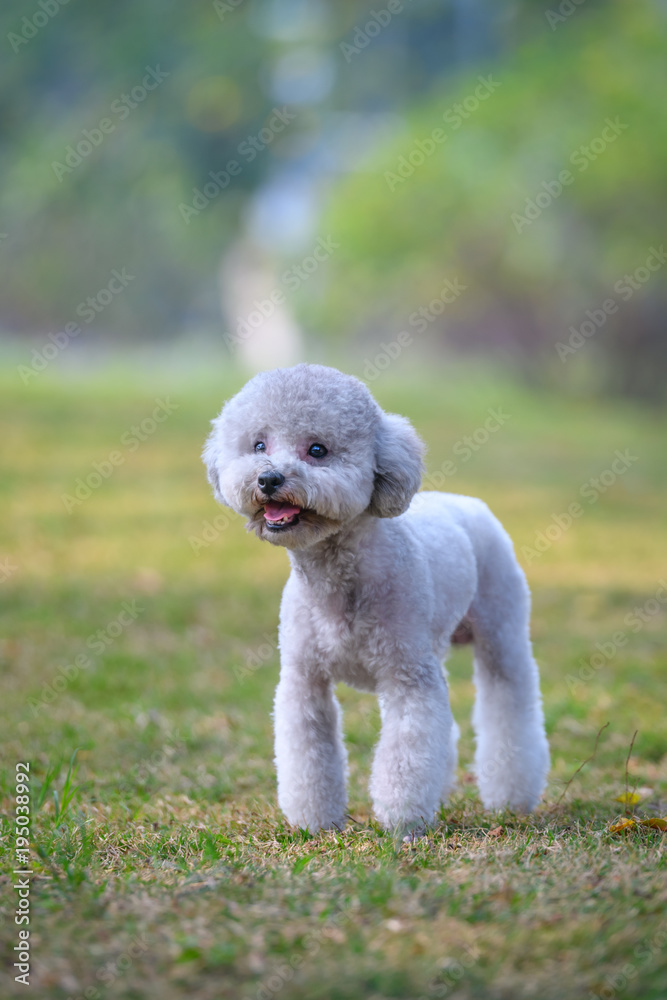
(382,577)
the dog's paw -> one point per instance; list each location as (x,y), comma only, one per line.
(415,834)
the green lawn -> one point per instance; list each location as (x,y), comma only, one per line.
(140,630)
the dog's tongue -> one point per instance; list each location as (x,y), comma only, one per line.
(275,511)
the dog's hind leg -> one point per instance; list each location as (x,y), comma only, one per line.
(512,756)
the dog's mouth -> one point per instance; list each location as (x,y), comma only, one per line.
(280,516)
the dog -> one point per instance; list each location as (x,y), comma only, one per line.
(382,577)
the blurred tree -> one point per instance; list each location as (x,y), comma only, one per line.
(77,201)
(546,199)
(131,138)
(73,209)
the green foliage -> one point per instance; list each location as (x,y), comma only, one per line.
(422,214)
(67,229)
(63,800)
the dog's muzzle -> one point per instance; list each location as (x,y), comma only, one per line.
(269,482)
(278,514)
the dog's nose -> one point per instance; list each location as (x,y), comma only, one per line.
(269,482)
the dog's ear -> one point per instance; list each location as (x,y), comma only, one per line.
(399,453)
(212,457)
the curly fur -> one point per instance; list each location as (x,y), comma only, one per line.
(382,578)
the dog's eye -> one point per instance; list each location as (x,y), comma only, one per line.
(317,450)
(260,446)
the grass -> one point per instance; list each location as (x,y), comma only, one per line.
(139,662)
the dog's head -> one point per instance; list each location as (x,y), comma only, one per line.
(302,451)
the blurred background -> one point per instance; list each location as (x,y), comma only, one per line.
(461,202)
(256,182)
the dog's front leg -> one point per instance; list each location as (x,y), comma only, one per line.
(415,758)
(310,756)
